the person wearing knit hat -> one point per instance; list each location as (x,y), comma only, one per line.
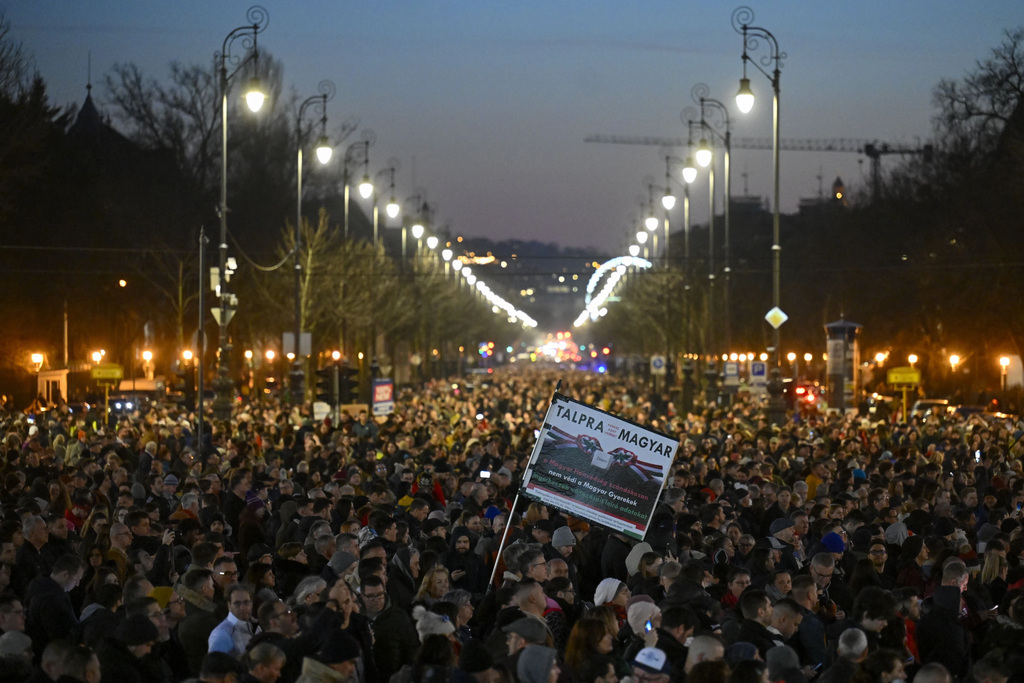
(607,590)
(253,502)
(430,623)
(563,540)
(342,563)
(537,664)
(640,614)
(833,543)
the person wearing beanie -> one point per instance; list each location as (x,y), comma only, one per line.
(563,542)
(121,656)
(537,664)
(429,623)
(834,543)
(644,619)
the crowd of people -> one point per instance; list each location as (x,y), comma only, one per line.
(283,548)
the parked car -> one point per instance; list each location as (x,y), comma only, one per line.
(931,406)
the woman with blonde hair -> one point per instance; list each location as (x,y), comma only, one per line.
(534,513)
(433,587)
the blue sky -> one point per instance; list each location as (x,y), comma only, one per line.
(487,104)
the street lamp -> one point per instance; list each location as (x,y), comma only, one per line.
(912,358)
(700,94)
(417,234)
(954,360)
(753,36)
(357,152)
(392,207)
(1004,362)
(258,19)
(323,153)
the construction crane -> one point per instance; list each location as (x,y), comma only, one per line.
(873,150)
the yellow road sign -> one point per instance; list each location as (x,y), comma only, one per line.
(107,371)
(910,376)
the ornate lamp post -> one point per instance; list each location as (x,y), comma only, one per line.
(753,38)
(324,151)
(699,94)
(254,98)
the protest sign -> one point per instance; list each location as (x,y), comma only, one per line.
(598,467)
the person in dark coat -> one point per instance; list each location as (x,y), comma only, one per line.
(851,650)
(99,618)
(613,557)
(201,615)
(757,617)
(51,615)
(677,625)
(122,657)
(467,568)
(280,627)
(403,573)
(940,635)
(395,640)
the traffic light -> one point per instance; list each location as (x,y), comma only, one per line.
(348,385)
(326,385)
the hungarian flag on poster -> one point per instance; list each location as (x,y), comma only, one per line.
(599,467)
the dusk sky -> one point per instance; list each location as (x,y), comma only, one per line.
(487,104)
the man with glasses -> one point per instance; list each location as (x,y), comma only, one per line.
(533,566)
(878,553)
(280,627)
(821,569)
(234,633)
(225,573)
(395,640)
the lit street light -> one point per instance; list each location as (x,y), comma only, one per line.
(1004,363)
(912,358)
(254,98)
(753,38)
(700,94)
(327,90)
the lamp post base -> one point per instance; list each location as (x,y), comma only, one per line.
(711,383)
(688,386)
(223,387)
(297,379)
(775,411)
